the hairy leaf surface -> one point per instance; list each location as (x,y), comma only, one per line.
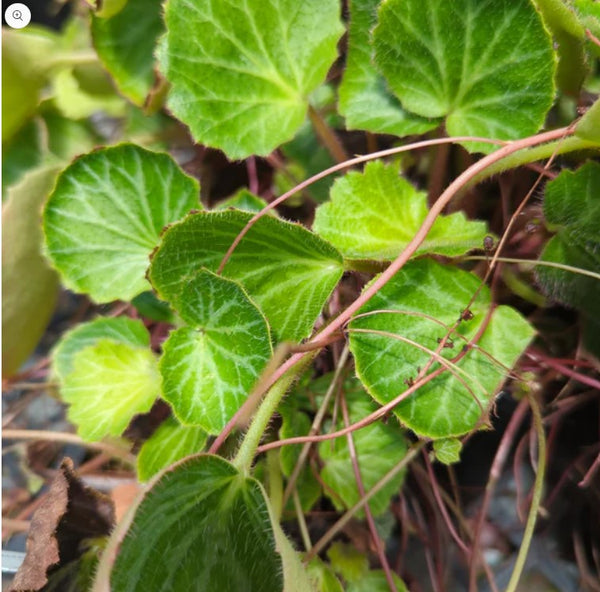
(288,271)
(375,214)
(168,444)
(419,304)
(109,384)
(105,216)
(242,70)
(365,101)
(486,65)
(209,368)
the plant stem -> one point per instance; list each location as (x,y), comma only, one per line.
(327,135)
(537,497)
(245,455)
(529,155)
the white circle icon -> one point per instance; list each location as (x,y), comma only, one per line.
(17,16)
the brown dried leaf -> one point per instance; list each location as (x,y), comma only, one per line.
(70,513)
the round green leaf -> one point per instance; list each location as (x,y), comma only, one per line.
(288,271)
(375,214)
(447,451)
(365,101)
(128,52)
(452,403)
(486,65)
(202,526)
(168,444)
(209,368)
(110,383)
(379,447)
(120,330)
(243,84)
(105,216)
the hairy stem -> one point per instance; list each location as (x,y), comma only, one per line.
(245,455)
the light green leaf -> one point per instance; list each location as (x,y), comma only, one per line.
(29,286)
(127,51)
(168,444)
(486,65)
(105,216)
(209,368)
(243,200)
(212,523)
(243,84)
(429,298)
(375,214)
(110,383)
(447,451)
(379,447)
(25,59)
(120,330)
(375,581)
(288,271)
(365,101)
(572,208)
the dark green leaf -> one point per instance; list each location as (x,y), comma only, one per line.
(572,208)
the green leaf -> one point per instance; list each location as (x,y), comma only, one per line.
(209,368)
(429,298)
(572,208)
(149,306)
(201,526)
(588,126)
(296,423)
(288,271)
(447,451)
(243,85)
(486,65)
(322,577)
(22,153)
(29,286)
(347,561)
(375,214)
(127,51)
(120,330)
(110,383)
(379,447)
(107,8)
(365,101)
(105,216)
(25,59)
(569,36)
(168,444)
(375,581)
(243,200)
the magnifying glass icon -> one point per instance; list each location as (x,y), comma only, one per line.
(17,15)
